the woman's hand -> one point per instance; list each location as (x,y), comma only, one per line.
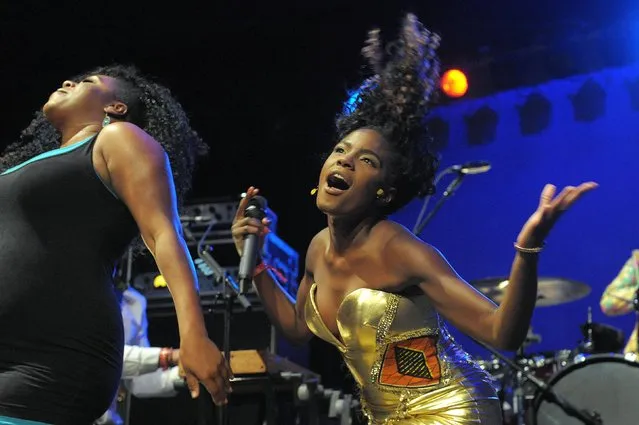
(243,226)
(201,361)
(550,208)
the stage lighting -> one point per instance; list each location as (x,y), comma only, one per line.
(534,114)
(481,127)
(454,83)
(589,103)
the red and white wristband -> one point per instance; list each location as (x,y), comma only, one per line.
(259,269)
(166,358)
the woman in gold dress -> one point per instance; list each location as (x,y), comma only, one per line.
(373,289)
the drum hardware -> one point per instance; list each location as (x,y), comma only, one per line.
(518,406)
(522,374)
(340,406)
(588,345)
(601,338)
(532,364)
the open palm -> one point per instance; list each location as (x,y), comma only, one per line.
(550,208)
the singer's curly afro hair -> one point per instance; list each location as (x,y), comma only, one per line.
(395,102)
(151,107)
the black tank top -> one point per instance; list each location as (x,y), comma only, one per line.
(61,337)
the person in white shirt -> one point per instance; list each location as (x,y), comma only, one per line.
(147,372)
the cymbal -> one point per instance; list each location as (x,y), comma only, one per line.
(550,290)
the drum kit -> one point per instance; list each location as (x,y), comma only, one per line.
(590,384)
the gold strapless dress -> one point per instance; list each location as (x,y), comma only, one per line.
(409,369)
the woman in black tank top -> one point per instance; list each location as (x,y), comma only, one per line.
(107,160)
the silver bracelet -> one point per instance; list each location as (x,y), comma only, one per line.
(523,250)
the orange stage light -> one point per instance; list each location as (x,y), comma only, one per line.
(454,83)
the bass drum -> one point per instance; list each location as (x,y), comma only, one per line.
(606,384)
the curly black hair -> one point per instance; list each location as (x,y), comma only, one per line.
(151,107)
(395,102)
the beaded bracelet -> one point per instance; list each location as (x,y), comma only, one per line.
(523,250)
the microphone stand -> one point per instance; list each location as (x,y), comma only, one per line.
(230,293)
(422,211)
(584,415)
(450,190)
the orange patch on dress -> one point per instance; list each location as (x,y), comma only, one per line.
(411,363)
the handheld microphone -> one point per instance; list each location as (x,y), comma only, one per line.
(256,209)
(473,167)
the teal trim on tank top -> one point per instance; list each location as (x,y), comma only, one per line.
(49,154)
(4,420)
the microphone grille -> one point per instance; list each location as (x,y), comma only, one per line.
(476,167)
(256,207)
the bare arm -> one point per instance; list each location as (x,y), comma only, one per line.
(138,170)
(285,313)
(140,174)
(503,327)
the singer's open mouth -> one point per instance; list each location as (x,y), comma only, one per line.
(336,181)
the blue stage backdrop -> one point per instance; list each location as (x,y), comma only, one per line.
(574,130)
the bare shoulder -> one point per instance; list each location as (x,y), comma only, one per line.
(315,248)
(395,236)
(123,139)
(403,251)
